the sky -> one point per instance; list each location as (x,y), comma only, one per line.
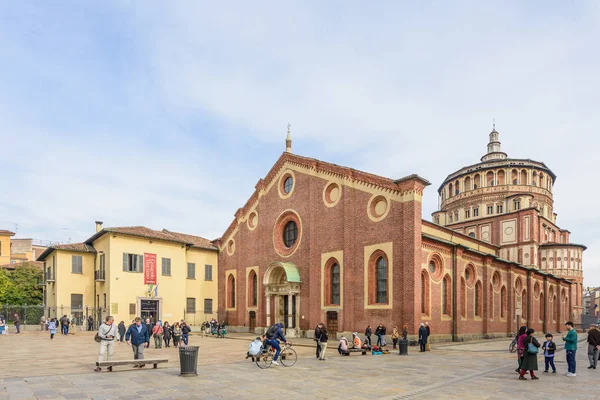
(166,114)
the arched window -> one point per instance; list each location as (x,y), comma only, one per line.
(252,289)
(541,316)
(478,303)
(463,298)
(335,284)
(514,176)
(523,177)
(425,299)
(476,181)
(231,291)
(451,190)
(446,296)
(489,179)
(468,183)
(472,234)
(503,304)
(381,267)
(524,304)
(492,298)
(500,176)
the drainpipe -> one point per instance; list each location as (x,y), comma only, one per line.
(94,313)
(454,302)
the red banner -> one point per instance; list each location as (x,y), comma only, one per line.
(149,269)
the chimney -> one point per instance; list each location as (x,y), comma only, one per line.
(99,226)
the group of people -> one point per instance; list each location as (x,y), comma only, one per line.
(528,346)
(16,322)
(214,327)
(138,336)
(320,336)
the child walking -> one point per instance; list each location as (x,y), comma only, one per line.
(52,328)
(549,349)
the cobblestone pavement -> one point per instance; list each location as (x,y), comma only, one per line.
(33,367)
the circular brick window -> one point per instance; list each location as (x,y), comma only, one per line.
(287,233)
(287,184)
(518,285)
(470,275)
(332,194)
(378,208)
(231,246)
(252,220)
(435,267)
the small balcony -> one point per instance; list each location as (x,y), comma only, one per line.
(50,277)
(100,275)
(41,281)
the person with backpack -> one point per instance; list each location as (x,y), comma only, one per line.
(274,333)
(323,338)
(157,334)
(316,337)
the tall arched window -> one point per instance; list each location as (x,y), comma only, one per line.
(231,291)
(381,268)
(503,304)
(446,296)
(335,284)
(463,298)
(425,296)
(524,305)
(253,288)
(492,298)
(541,317)
(478,303)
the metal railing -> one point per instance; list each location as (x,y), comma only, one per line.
(99,275)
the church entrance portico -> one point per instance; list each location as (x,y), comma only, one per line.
(282,291)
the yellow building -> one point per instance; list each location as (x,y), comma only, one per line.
(133,271)
(5,246)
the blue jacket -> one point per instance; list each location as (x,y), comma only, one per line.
(279,334)
(137,338)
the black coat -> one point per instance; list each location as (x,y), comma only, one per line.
(368,332)
(122,329)
(530,362)
(167,333)
(380,330)
(422,335)
(317,334)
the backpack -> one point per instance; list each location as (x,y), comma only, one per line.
(272,331)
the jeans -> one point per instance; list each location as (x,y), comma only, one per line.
(275,344)
(18,326)
(65,329)
(323,350)
(571,360)
(549,361)
(138,351)
(318,348)
(368,340)
(106,347)
(593,355)
(167,341)
(185,337)
(379,340)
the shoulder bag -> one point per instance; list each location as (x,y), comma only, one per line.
(532,348)
(97,338)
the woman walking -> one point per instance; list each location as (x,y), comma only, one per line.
(176,334)
(122,331)
(167,334)
(395,336)
(52,328)
(530,355)
(520,346)
(368,333)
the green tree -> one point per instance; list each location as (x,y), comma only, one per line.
(22,286)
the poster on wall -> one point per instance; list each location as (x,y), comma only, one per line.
(149,268)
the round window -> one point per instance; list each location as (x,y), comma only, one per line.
(290,234)
(431,267)
(468,275)
(288,184)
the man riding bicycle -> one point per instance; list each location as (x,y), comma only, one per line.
(273,334)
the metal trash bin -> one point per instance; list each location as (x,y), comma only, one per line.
(403,346)
(188,360)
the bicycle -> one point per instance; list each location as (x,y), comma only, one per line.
(512,347)
(287,356)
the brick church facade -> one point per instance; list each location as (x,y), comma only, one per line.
(317,242)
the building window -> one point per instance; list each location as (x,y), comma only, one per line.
(104,302)
(456,216)
(472,234)
(208,272)
(517,205)
(476,211)
(76,302)
(133,262)
(288,184)
(166,266)
(191,271)
(463,298)
(478,295)
(524,304)
(102,262)
(255,290)
(76,264)
(425,292)
(190,305)
(290,234)
(335,284)
(467,213)
(381,266)
(499,209)
(451,218)
(490,210)
(231,291)
(446,295)
(208,306)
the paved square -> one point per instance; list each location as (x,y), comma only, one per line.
(33,367)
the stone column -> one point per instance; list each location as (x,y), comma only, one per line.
(268,310)
(290,313)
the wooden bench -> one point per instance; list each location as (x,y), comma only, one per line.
(362,351)
(110,364)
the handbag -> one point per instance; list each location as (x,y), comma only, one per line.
(97,337)
(532,348)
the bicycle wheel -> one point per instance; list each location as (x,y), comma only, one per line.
(513,347)
(264,360)
(288,357)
